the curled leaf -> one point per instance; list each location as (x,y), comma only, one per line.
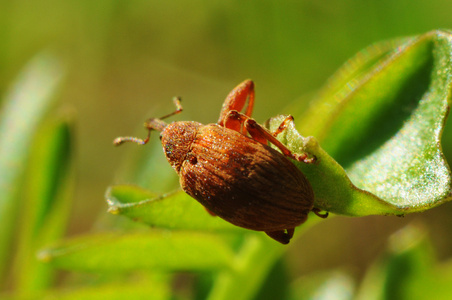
(333,189)
(384,126)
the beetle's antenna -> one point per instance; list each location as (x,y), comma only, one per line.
(120,140)
(176,101)
(151,124)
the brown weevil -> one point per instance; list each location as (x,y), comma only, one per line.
(232,171)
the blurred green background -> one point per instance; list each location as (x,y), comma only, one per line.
(125,60)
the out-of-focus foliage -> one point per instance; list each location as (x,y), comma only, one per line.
(24,109)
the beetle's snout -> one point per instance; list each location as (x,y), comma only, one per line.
(176,140)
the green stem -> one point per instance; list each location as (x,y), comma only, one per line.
(256,258)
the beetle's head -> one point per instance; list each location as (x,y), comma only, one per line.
(176,140)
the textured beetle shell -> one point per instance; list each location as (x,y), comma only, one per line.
(239,179)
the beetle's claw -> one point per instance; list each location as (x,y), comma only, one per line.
(304,158)
(311,160)
(317,211)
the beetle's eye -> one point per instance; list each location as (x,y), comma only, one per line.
(192,159)
(160,137)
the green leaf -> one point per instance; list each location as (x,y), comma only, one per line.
(176,210)
(253,262)
(442,279)
(47,199)
(157,249)
(119,291)
(406,271)
(384,126)
(331,284)
(277,283)
(24,107)
(139,288)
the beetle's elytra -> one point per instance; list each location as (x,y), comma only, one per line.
(230,169)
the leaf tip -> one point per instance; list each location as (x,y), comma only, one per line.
(44,256)
(311,143)
(407,238)
(113,209)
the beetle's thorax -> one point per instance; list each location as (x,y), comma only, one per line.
(176,139)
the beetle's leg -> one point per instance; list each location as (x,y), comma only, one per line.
(283,125)
(259,133)
(317,211)
(235,120)
(281,236)
(236,100)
